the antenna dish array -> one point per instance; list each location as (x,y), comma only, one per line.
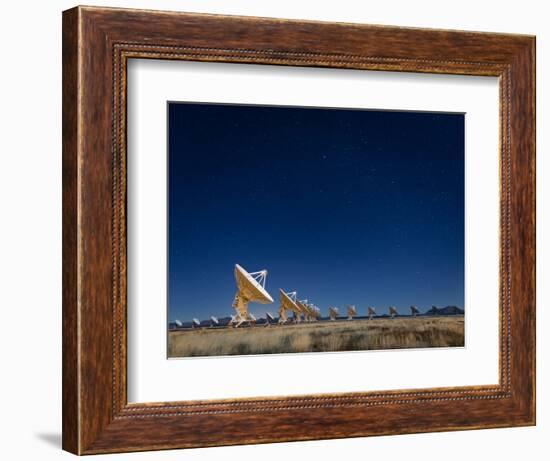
(250,288)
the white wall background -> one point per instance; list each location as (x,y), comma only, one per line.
(30,230)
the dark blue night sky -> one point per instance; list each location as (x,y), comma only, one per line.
(345,206)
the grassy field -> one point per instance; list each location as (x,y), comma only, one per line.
(385,333)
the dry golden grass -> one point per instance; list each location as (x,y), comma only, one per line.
(399,333)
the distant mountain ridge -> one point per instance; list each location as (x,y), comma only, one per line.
(449,310)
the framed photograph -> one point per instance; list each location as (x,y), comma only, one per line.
(346,204)
(280,230)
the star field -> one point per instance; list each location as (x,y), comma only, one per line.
(345,206)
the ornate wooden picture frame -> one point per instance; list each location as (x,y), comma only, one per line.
(97,44)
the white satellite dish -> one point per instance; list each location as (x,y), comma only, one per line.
(414,311)
(214,321)
(393,311)
(311,312)
(316,312)
(306,309)
(250,288)
(371,311)
(196,323)
(288,302)
(333,313)
(178,323)
(269,319)
(352,312)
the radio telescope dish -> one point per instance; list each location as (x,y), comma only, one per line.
(311,312)
(250,288)
(393,311)
(268,319)
(371,311)
(178,323)
(196,323)
(333,313)
(214,321)
(316,312)
(352,312)
(305,306)
(288,303)
(414,311)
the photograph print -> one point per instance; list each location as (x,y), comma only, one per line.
(305,229)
